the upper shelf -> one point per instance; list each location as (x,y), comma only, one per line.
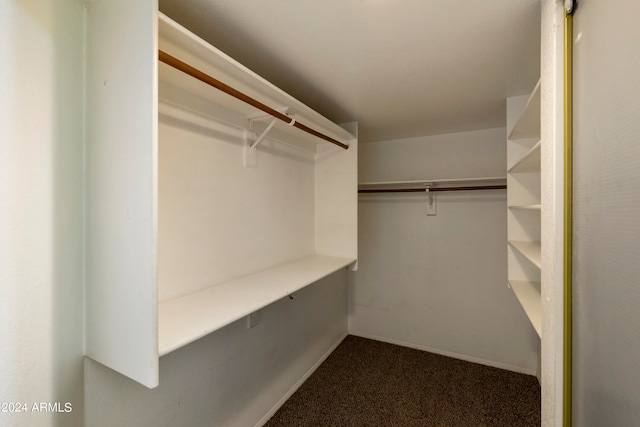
(528,125)
(180,43)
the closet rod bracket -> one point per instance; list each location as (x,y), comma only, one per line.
(431,202)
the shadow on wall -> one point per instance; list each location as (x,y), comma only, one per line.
(68,123)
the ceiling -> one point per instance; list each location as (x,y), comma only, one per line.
(401,68)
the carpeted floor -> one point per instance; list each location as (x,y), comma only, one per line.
(370,383)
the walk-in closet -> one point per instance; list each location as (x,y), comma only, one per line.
(236,236)
(342,212)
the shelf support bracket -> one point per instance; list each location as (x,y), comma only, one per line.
(431,202)
(249,151)
(262,135)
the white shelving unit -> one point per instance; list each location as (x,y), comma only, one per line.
(186,234)
(524,203)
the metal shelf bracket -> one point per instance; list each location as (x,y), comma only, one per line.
(249,155)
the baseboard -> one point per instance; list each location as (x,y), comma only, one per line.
(464,357)
(301,381)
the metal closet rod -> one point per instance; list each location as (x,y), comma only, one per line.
(424,190)
(203,77)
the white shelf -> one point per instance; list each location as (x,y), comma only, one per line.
(528,125)
(528,294)
(437,182)
(526,207)
(530,162)
(187,318)
(530,250)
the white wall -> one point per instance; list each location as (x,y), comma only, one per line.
(439,282)
(41,188)
(232,377)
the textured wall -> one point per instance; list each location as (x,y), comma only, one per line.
(41,210)
(439,282)
(606,295)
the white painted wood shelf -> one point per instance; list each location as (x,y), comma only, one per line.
(530,162)
(528,294)
(187,318)
(526,207)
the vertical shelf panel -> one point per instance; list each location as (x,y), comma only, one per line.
(528,123)
(336,191)
(121,164)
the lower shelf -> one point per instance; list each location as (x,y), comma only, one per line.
(528,294)
(187,318)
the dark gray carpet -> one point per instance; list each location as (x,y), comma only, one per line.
(370,383)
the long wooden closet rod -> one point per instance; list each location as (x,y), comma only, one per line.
(423,190)
(194,72)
